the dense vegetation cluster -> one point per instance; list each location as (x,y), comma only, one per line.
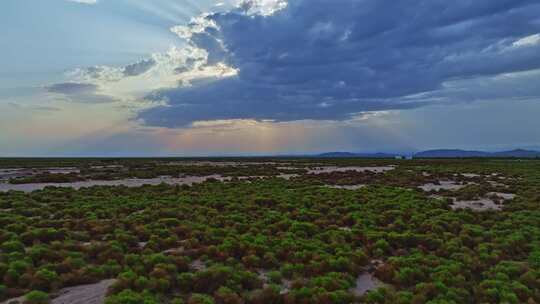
(279,241)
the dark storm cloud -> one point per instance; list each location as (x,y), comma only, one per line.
(322,59)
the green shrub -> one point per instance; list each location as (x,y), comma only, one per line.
(12,246)
(275,277)
(36,297)
(129,296)
(45,279)
(228,296)
(534,259)
(201,299)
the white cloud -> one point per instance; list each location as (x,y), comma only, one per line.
(84,1)
(527,41)
(262,7)
(197,25)
(101,72)
(176,67)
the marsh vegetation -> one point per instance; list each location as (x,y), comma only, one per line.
(272,231)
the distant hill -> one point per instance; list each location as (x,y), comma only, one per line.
(456,153)
(352,155)
(439,153)
(450,153)
(337,154)
(518,153)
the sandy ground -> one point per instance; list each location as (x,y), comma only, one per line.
(84,294)
(129,182)
(5,174)
(223,163)
(471,175)
(483,204)
(381,169)
(364,283)
(443,185)
(505,196)
(347,187)
(178,250)
(18,300)
(285,286)
(197,265)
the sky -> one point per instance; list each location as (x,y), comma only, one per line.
(267,77)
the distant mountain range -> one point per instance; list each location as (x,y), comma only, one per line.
(440,153)
(454,153)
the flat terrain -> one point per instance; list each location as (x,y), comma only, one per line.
(269,231)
